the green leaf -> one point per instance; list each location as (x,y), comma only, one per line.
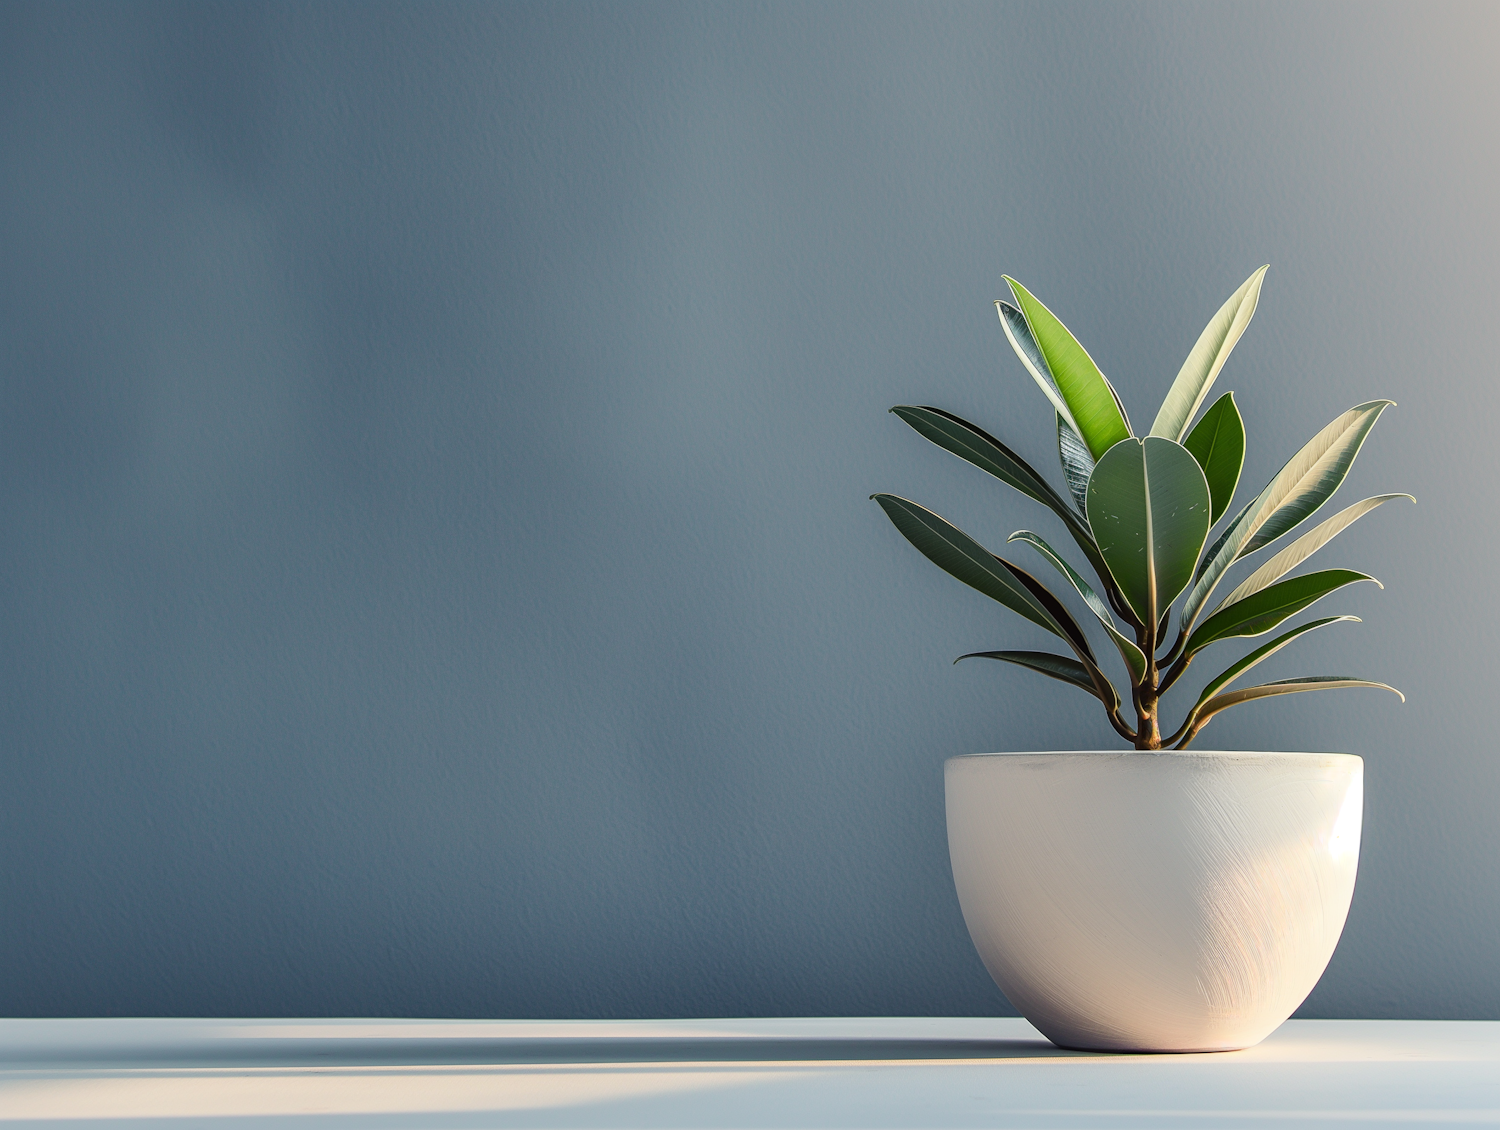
(1284,686)
(1054,666)
(1091,403)
(1056,609)
(955,552)
(1119,404)
(1018,333)
(1265,651)
(1134,659)
(1202,366)
(1262,611)
(1304,547)
(1148,506)
(1218,443)
(1077,463)
(1299,488)
(1320,476)
(978,447)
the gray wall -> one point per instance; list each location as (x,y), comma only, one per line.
(434,445)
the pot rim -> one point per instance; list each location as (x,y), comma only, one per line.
(1093,753)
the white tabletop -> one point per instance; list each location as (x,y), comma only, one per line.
(889,1072)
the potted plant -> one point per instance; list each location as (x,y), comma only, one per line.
(1158,898)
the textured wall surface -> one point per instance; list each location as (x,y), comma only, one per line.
(435,440)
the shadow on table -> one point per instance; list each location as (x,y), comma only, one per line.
(391,1052)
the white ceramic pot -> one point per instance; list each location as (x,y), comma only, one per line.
(1168,901)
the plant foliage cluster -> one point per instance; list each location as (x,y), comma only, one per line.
(1140,510)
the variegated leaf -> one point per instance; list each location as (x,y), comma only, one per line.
(1207,357)
(1077,463)
(1304,547)
(1298,489)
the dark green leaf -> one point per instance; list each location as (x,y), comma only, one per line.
(955,552)
(978,447)
(1055,608)
(1129,652)
(1218,443)
(1148,507)
(1265,651)
(1054,666)
(1262,611)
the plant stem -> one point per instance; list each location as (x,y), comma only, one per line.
(1147,693)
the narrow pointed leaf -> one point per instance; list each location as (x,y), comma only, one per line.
(1319,477)
(1120,405)
(1148,507)
(1077,463)
(1133,656)
(1218,443)
(1228,532)
(1299,488)
(1287,686)
(1018,333)
(978,447)
(1091,402)
(955,552)
(1135,659)
(1054,666)
(1054,608)
(1259,613)
(1207,357)
(1304,547)
(1265,651)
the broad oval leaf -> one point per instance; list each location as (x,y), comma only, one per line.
(1135,659)
(1299,488)
(1218,443)
(1207,357)
(1091,403)
(1018,333)
(1259,613)
(956,553)
(1054,666)
(1304,547)
(1148,506)
(1077,463)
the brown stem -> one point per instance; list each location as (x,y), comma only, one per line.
(1146,694)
